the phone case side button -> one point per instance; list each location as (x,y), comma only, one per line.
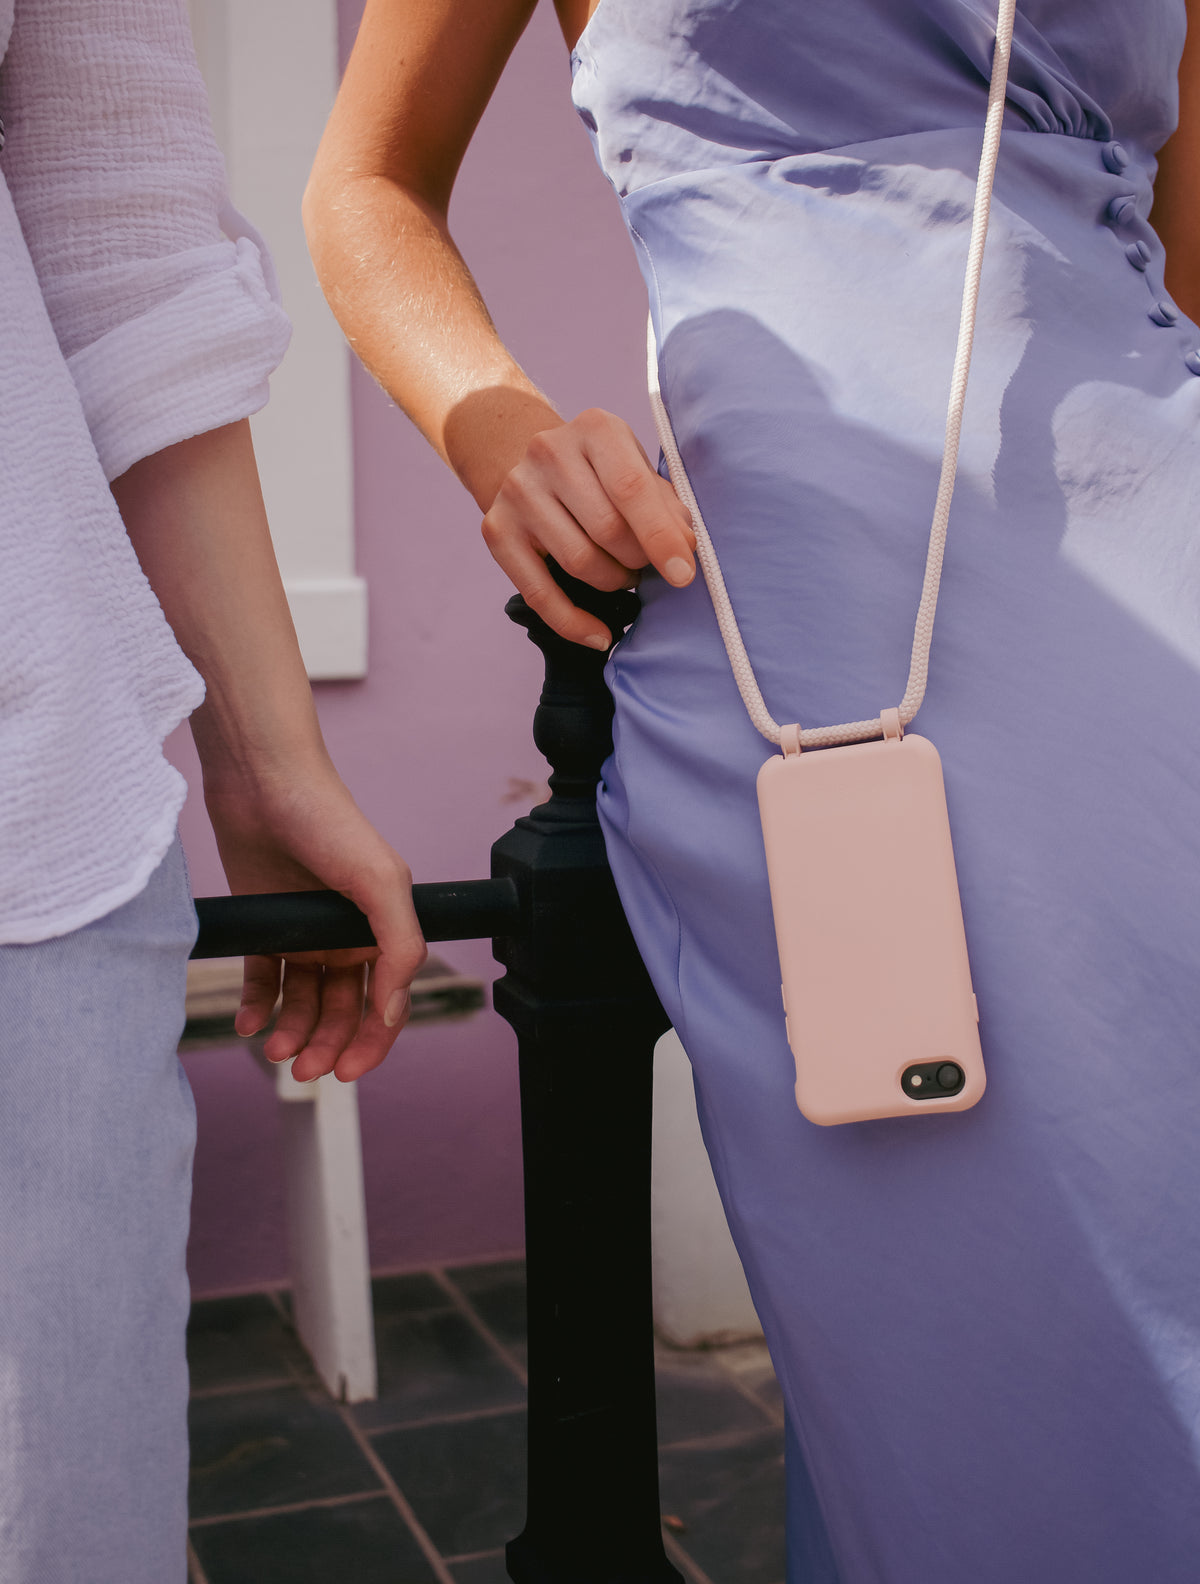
(975,1006)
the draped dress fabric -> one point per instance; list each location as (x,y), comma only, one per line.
(986,1325)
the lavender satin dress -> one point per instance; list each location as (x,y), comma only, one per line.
(986,1325)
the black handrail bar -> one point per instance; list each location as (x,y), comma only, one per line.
(299,921)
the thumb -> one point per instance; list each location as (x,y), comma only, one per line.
(385,895)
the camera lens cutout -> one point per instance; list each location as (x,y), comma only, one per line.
(935,1080)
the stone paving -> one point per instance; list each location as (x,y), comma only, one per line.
(427,1482)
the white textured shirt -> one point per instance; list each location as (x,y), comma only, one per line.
(136,309)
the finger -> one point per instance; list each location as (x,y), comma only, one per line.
(337,1023)
(260,991)
(384,893)
(530,514)
(540,517)
(528,573)
(583,499)
(561,504)
(647,503)
(298,1013)
(372,1042)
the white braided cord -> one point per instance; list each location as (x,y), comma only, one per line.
(739,660)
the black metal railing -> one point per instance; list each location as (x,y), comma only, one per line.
(586,1019)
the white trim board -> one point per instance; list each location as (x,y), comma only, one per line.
(331,623)
(271,71)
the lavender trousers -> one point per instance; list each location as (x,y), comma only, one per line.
(96,1135)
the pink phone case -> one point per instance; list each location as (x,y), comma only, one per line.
(869,925)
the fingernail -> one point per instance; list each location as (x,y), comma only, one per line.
(679,571)
(596,641)
(394,1010)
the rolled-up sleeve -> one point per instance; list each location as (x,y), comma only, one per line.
(162,297)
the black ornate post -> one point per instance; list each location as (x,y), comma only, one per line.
(586,1019)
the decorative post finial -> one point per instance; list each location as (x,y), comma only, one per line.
(572,726)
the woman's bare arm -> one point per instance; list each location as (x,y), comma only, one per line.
(283,819)
(1176,212)
(375,213)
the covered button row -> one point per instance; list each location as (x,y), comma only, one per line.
(1122,210)
(1139,255)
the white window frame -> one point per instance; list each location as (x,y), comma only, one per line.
(271,67)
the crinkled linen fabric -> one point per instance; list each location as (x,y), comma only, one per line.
(137,309)
(986,1325)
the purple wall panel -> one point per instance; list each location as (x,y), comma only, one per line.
(436,742)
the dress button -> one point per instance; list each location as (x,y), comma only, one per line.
(1114,157)
(1123,209)
(1138,255)
(1192,360)
(1164,313)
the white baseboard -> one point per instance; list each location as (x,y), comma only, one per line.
(700,1292)
(331,623)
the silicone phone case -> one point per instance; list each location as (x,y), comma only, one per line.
(869,925)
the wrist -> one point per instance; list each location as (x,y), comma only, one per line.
(486,435)
(253,759)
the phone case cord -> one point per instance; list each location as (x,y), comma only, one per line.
(914,693)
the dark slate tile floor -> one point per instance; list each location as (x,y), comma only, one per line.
(425,1485)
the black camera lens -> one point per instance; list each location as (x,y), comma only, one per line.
(949,1076)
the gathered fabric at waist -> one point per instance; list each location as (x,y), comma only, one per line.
(1059,180)
(871,239)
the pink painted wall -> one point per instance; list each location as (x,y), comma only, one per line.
(436,742)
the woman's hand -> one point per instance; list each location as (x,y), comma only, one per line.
(283,818)
(585,493)
(303,833)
